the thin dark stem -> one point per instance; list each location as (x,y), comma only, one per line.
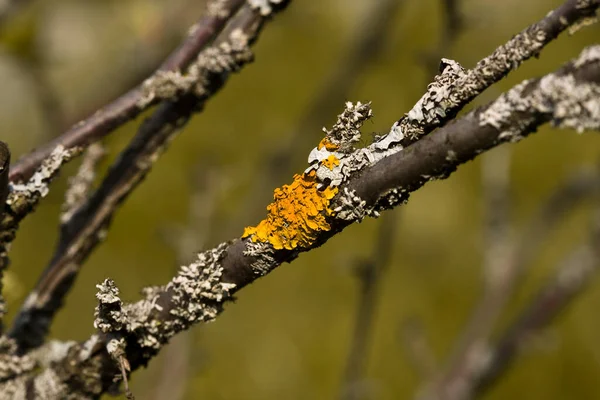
(574,275)
(369,272)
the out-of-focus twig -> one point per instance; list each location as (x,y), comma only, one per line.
(369,273)
(452,25)
(130,104)
(499,276)
(80,185)
(574,274)
(418,349)
(185,240)
(506,261)
(9,8)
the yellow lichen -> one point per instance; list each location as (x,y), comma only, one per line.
(331,162)
(327,144)
(296,216)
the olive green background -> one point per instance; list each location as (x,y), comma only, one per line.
(288,334)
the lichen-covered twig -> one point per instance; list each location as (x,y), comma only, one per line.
(130,105)
(455,87)
(80,185)
(22,200)
(371,33)
(87,226)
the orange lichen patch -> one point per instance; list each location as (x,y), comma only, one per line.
(327,144)
(331,162)
(296,216)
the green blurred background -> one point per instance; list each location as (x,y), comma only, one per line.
(288,335)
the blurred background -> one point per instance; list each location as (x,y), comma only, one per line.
(290,335)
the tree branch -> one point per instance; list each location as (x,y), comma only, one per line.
(455,87)
(197,293)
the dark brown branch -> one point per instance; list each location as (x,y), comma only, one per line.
(127,106)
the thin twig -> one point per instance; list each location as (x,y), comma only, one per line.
(573,276)
(80,185)
(369,273)
(185,241)
(461,86)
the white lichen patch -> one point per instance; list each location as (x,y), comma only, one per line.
(217,8)
(352,207)
(37,186)
(559,97)
(226,57)
(338,146)
(262,253)
(11,364)
(265,7)
(431,109)
(336,159)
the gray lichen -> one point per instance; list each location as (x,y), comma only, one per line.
(81,183)
(433,107)
(225,57)
(352,207)
(12,365)
(23,198)
(195,294)
(560,97)
(37,186)
(262,253)
(338,146)
(217,8)
(109,315)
